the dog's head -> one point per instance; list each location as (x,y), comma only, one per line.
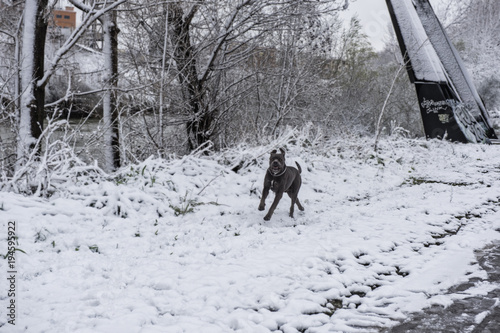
(277,162)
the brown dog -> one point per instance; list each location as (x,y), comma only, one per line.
(281,178)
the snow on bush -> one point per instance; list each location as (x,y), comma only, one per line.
(44,173)
(178,245)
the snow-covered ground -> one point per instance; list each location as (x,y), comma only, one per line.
(179,245)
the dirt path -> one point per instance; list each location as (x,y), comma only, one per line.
(474,315)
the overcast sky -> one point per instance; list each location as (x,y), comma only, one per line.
(374,17)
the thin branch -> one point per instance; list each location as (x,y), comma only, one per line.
(378,130)
(189,17)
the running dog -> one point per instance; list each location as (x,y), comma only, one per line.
(281,178)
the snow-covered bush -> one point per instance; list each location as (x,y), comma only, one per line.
(44,173)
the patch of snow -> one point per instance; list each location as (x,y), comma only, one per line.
(480,317)
(179,245)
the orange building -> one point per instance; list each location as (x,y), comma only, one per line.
(65,18)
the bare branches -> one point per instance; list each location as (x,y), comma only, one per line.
(192,12)
(92,15)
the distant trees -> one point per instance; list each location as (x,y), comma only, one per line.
(356,77)
(189,75)
(476,33)
(209,48)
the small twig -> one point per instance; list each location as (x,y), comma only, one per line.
(378,130)
(210,182)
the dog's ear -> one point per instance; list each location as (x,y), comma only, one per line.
(282,151)
(274,152)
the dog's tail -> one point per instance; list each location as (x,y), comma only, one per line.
(298,167)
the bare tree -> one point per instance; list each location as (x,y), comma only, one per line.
(211,39)
(34,75)
(10,48)
(32,98)
(110,107)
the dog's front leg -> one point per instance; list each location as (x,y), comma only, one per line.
(265,193)
(277,199)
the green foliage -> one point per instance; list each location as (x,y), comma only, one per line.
(379,160)
(421,181)
(187,205)
(134,174)
(12,253)
(94,248)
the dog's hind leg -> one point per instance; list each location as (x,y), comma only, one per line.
(295,200)
(301,208)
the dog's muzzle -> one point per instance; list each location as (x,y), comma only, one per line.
(276,167)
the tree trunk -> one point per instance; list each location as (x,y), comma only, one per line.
(199,125)
(110,107)
(32,69)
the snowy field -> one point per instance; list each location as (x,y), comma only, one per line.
(179,246)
